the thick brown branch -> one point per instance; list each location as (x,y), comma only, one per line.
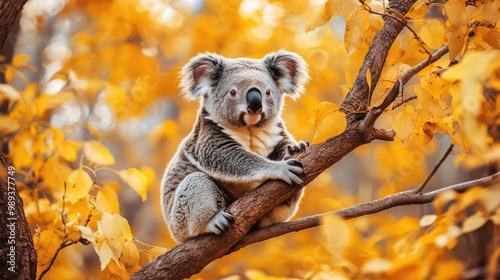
(361,209)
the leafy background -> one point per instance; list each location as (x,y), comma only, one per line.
(94,117)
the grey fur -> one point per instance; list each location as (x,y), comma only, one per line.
(229,151)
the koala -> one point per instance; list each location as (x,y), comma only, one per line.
(238,141)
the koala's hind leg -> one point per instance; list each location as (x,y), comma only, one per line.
(282,212)
(198,208)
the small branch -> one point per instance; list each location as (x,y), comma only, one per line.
(408,197)
(433,171)
(405,100)
(62,246)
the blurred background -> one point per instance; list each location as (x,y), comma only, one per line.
(120,60)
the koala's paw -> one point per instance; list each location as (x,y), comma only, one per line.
(221,222)
(295,149)
(290,169)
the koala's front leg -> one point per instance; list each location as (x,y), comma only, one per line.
(198,208)
(229,162)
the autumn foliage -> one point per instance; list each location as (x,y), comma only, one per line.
(94,116)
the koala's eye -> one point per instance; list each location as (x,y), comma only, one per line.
(268,93)
(232,93)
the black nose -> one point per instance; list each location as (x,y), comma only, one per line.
(254,101)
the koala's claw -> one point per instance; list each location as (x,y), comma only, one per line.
(292,169)
(221,222)
(300,147)
(291,161)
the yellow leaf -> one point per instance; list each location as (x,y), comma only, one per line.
(105,254)
(87,233)
(98,153)
(473,223)
(78,185)
(69,150)
(46,243)
(137,180)
(443,200)
(376,266)
(337,234)
(8,92)
(432,33)
(469,69)
(20,147)
(427,220)
(418,10)
(9,74)
(490,199)
(355,26)
(46,102)
(155,252)
(20,59)
(130,254)
(490,35)
(322,13)
(333,125)
(54,173)
(448,269)
(110,226)
(404,123)
(323,110)
(456,26)
(106,201)
(8,125)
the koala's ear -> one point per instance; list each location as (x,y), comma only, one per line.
(199,74)
(289,70)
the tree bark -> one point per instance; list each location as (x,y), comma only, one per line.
(17,253)
(9,10)
(191,257)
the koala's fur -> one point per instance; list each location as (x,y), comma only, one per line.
(232,149)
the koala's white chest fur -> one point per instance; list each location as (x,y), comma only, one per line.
(260,141)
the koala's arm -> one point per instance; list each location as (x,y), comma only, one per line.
(224,159)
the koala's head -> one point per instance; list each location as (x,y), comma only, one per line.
(244,92)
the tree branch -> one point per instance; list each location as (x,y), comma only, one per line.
(421,187)
(408,197)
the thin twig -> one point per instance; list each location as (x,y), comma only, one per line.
(433,171)
(405,100)
(65,238)
(408,197)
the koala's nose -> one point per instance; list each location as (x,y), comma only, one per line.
(254,101)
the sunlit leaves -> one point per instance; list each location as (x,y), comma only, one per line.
(432,33)
(78,185)
(107,201)
(322,13)
(418,10)
(98,153)
(8,125)
(329,121)
(468,99)
(357,23)
(46,243)
(405,123)
(137,180)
